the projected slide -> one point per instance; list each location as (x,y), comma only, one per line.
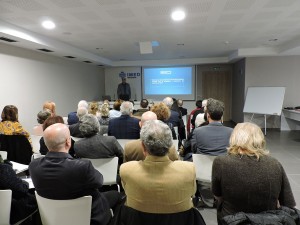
(168,81)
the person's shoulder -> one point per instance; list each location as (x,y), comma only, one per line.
(128,167)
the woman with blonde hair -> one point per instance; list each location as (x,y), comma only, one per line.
(49,106)
(247,179)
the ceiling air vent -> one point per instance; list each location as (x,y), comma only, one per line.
(87,61)
(45,50)
(70,57)
(100,65)
(7,39)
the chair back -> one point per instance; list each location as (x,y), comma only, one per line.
(3,155)
(108,167)
(35,141)
(5,199)
(17,147)
(203,165)
(67,212)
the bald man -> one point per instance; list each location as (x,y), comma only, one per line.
(59,176)
(133,150)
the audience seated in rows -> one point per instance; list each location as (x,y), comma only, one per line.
(94,145)
(247,179)
(157,184)
(23,202)
(115,112)
(125,126)
(72,116)
(50,106)
(104,119)
(212,139)
(143,108)
(10,124)
(163,113)
(59,176)
(133,150)
(48,122)
(41,117)
(74,128)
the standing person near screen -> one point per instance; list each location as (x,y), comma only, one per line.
(124,90)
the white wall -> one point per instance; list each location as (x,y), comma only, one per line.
(29,78)
(276,72)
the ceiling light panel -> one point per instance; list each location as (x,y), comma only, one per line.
(239,4)
(280,3)
(68,3)
(29,5)
(120,13)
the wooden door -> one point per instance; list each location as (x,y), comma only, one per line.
(217,85)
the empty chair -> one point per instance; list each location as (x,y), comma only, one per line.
(108,167)
(67,212)
(3,155)
(17,147)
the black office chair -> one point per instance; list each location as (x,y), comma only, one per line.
(17,147)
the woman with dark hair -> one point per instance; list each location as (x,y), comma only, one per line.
(23,203)
(10,124)
(49,121)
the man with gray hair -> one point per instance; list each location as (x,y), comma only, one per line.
(133,150)
(157,184)
(94,145)
(74,128)
(125,126)
(212,139)
(175,116)
(72,116)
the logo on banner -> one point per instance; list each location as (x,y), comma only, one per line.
(129,75)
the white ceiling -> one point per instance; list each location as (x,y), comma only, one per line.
(107,32)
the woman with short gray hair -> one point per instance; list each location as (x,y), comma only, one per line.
(94,145)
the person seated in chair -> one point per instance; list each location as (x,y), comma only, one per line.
(144,108)
(247,179)
(157,184)
(59,176)
(74,128)
(133,150)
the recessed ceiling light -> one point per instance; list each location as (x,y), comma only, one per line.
(48,24)
(178,15)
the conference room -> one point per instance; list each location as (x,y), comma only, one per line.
(228,47)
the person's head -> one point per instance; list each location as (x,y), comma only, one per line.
(52,120)
(10,113)
(104,110)
(126,108)
(93,108)
(200,119)
(215,109)
(144,103)
(81,111)
(89,125)
(42,116)
(156,137)
(180,102)
(57,138)
(168,101)
(50,106)
(117,104)
(123,80)
(147,116)
(199,103)
(83,103)
(247,139)
(162,111)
